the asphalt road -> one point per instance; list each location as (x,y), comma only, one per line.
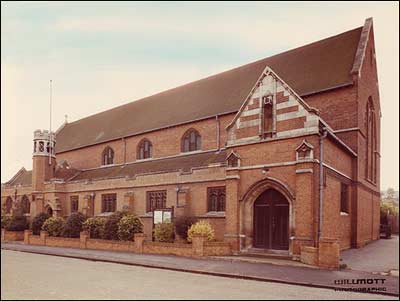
(34,276)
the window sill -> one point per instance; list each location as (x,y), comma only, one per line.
(342,213)
(144,160)
(105,214)
(191,152)
(108,165)
(214,214)
(370,182)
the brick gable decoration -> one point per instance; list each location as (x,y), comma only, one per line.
(288,114)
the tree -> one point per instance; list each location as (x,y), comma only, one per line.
(390,194)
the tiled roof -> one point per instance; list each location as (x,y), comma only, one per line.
(319,66)
(183,162)
(23,177)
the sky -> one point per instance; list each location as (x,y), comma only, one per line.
(103,54)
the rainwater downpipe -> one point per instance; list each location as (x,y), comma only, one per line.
(124,141)
(218,132)
(323,135)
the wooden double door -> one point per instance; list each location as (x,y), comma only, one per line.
(271,221)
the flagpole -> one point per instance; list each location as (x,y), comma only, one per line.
(51,96)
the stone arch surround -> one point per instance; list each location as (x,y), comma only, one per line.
(247,208)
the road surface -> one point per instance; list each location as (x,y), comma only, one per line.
(35,276)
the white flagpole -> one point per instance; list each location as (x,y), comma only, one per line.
(50,148)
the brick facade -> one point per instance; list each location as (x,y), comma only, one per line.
(266,161)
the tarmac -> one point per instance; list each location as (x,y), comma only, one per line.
(235,268)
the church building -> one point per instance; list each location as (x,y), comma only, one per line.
(276,154)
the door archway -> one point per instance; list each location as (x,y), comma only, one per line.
(49,211)
(271,221)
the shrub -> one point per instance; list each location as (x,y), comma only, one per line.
(201,228)
(111,225)
(5,221)
(18,223)
(54,226)
(128,226)
(95,226)
(164,232)
(38,222)
(73,225)
(182,225)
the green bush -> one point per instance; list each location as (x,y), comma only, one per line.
(54,226)
(128,226)
(164,232)
(95,226)
(201,228)
(38,222)
(73,225)
(18,223)
(111,225)
(5,221)
(182,225)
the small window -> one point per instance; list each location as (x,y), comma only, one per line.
(216,198)
(304,151)
(268,116)
(233,161)
(344,198)
(191,141)
(8,205)
(108,156)
(74,204)
(156,200)
(25,205)
(145,150)
(109,202)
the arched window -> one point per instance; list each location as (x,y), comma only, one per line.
(25,205)
(8,205)
(145,150)
(371,142)
(191,141)
(108,156)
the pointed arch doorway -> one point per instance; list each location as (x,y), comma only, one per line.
(271,221)
(49,211)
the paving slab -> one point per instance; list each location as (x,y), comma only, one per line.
(304,276)
(380,256)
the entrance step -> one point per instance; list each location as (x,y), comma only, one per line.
(264,253)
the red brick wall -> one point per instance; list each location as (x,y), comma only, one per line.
(368,216)
(166,142)
(337,107)
(368,193)
(337,158)
(273,151)
(335,224)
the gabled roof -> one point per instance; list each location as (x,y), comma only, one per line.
(316,67)
(22,177)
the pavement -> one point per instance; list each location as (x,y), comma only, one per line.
(27,276)
(266,272)
(378,257)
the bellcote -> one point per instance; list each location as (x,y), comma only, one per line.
(44,143)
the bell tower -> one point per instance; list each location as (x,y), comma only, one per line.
(44,159)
